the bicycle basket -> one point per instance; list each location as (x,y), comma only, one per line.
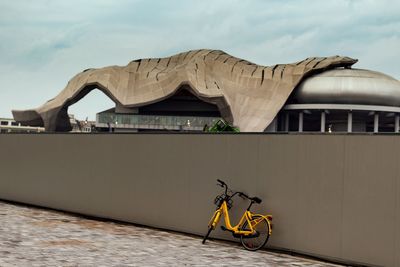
(220,198)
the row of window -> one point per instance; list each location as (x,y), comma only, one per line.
(156,120)
(336,121)
(8,123)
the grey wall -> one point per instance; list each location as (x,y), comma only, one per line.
(335,196)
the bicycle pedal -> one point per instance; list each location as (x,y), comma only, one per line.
(223,228)
(256,234)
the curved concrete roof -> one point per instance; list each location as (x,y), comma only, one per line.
(349,86)
(247,95)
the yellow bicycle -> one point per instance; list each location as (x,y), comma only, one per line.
(253,229)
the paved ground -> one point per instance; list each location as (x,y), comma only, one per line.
(38,237)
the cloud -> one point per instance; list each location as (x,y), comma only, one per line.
(46,42)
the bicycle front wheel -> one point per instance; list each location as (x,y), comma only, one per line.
(213,222)
(262,230)
(206,236)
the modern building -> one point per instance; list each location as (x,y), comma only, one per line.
(181,112)
(187,91)
(342,100)
(337,100)
(11,126)
(8,125)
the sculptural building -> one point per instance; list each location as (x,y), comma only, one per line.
(194,88)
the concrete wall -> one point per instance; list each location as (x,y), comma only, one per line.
(335,196)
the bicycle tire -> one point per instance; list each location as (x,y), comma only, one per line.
(255,243)
(206,236)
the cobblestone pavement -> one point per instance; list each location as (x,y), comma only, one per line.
(39,237)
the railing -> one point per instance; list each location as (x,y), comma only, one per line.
(155,121)
(11,128)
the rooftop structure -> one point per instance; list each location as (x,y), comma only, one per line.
(347,100)
(244,94)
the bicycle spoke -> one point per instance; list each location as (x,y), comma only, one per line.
(261,226)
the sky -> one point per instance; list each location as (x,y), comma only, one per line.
(44,43)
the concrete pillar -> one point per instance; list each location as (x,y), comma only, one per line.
(396,123)
(349,122)
(301,122)
(323,119)
(287,122)
(376,122)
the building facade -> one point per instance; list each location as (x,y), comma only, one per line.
(338,100)
(11,126)
(191,90)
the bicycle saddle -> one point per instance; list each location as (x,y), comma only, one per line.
(256,200)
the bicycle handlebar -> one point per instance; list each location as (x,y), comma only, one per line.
(241,194)
(222,183)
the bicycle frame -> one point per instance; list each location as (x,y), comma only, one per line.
(250,225)
(247,216)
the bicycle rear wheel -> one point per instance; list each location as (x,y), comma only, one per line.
(262,229)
